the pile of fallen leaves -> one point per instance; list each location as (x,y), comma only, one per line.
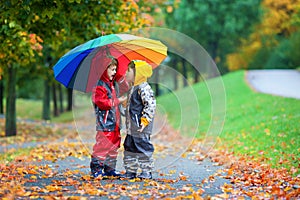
(256,179)
(250,177)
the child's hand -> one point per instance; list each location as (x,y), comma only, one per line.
(124,103)
(141,129)
(122,99)
(144,123)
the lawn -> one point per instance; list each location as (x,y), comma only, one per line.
(28,109)
(259,125)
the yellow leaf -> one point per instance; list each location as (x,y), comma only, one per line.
(31,171)
(267,131)
(21,171)
(2,133)
(53,188)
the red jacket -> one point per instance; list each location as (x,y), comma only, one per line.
(106,104)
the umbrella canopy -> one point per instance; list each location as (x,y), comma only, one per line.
(82,66)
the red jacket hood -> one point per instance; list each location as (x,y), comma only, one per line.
(105,77)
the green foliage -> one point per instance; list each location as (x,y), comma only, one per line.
(293,51)
(260,58)
(30,89)
(256,124)
(217,25)
(273,44)
(17,44)
(278,58)
(285,55)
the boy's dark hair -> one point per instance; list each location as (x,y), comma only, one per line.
(131,65)
(113,62)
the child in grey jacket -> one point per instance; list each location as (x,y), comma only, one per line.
(141,105)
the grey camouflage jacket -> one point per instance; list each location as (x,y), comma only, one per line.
(141,103)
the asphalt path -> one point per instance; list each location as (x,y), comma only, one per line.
(284,83)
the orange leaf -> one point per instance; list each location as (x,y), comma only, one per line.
(53,188)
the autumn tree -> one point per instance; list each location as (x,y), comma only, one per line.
(271,40)
(1,91)
(217,25)
(58,26)
(18,49)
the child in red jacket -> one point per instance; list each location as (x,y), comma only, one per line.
(105,100)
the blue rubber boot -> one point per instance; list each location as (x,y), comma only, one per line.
(112,173)
(99,173)
(96,167)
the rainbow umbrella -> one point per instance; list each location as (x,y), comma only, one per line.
(81,67)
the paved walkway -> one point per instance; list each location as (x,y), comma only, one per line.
(276,82)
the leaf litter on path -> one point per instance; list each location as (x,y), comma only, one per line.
(40,174)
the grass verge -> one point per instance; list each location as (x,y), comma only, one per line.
(12,154)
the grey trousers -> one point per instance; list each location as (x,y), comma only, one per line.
(138,151)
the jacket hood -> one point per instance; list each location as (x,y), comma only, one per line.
(104,76)
(142,71)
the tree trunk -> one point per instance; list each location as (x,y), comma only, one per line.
(184,72)
(70,99)
(46,101)
(54,97)
(214,52)
(175,81)
(196,76)
(156,80)
(10,114)
(61,99)
(1,95)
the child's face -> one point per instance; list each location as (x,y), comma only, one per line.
(130,75)
(111,72)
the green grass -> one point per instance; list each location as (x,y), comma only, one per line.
(29,109)
(256,124)
(32,109)
(13,154)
